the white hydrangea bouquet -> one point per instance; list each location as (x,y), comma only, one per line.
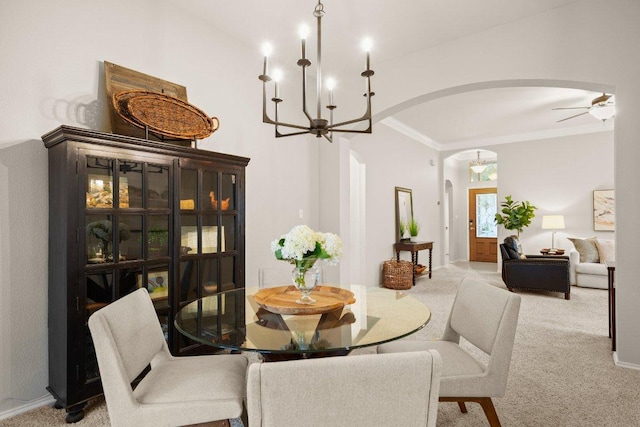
(302,247)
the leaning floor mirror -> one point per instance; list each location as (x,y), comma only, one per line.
(404,212)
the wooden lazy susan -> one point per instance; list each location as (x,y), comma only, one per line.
(282,299)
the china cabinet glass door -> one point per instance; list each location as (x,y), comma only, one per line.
(127,236)
(208,234)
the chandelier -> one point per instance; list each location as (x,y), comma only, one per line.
(318,126)
(478,166)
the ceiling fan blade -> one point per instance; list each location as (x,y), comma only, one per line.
(581,114)
(570,108)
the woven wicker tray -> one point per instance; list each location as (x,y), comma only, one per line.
(282,300)
(164,115)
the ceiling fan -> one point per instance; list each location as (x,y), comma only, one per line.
(602,108)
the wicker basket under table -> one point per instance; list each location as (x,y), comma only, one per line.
(397,274)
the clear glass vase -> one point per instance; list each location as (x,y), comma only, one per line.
(305,280)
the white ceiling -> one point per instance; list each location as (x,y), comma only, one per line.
(467,120)
(501,115)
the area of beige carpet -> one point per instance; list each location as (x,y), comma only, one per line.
(562,371)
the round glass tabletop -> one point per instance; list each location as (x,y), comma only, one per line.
(233,320)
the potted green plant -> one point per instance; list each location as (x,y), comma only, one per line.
(403,229)
(515,215)
(414,228)
(158,239)
(101,230)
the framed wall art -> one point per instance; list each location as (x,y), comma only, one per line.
(157,283)
(604,210)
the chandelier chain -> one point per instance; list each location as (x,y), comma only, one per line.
(319,10)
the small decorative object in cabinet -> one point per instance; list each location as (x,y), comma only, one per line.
(126,213)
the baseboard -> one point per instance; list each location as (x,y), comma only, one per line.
(26,406)
(624,364)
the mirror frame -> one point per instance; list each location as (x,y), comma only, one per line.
(403,198)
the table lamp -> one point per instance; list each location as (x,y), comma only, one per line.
(553,222)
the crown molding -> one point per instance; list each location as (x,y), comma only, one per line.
(398,126)
(506,139)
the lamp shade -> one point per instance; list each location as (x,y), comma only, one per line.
(553,222)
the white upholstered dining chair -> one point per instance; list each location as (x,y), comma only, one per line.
(372,390)
(486,316)
(177,390)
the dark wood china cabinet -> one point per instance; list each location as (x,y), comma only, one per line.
(126,213)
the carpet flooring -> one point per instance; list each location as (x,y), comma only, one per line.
(562,371)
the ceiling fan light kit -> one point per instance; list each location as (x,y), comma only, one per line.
(318,126)
(603,112)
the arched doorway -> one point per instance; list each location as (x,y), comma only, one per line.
(460,210)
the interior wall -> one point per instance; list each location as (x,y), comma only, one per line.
(52,66)
(394,160)
(557,175)
(358,220)
(561,182)
(456,172)
(551,46)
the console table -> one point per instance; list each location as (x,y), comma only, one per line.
(414,248)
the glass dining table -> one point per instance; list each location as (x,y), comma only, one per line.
(233,320)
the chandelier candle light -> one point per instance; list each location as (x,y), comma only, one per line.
(317,126)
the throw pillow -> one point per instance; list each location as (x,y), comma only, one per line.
(511,253)
(606,250)
(587,249)
(514,248)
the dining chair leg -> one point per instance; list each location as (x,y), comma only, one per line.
(489,411)
(485,402)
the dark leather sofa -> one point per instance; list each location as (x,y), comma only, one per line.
(548,273)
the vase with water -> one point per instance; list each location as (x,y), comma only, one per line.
(305,279)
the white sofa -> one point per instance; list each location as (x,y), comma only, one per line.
(591,274)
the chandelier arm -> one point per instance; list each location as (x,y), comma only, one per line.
(268,120)
(279,135)
(328,138)
(289,125)
(275,128)
(265,116)
(368,130)
(366,116)
(304,94)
